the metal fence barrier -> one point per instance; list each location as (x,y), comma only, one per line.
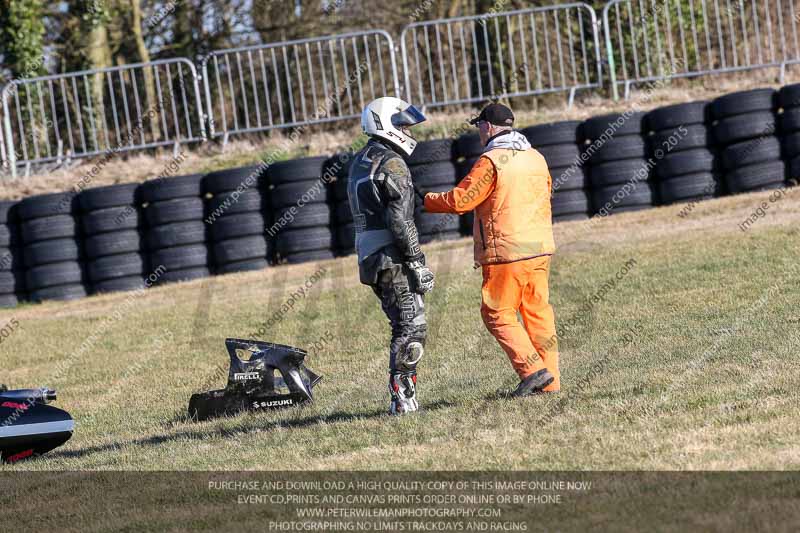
(445,62)
(506,54)
(648,41)
(92,112)
(294,83)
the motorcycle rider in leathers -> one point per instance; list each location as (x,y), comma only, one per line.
(390,260)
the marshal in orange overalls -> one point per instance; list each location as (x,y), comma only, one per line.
(509,190)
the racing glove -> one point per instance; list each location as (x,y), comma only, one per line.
(420,276)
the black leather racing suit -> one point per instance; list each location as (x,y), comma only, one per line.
(382,201)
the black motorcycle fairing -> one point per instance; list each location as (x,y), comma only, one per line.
(273,376)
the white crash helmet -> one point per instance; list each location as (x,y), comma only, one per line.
(390,118)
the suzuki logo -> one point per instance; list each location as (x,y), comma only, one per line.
(273,403)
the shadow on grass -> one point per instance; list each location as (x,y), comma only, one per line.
(506,394)
(499,394)
(257,424)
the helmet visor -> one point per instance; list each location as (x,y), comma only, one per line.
(407,117)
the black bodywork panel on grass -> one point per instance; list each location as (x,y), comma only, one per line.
(274,376)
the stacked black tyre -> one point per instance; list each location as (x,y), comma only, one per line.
(682,148)
(112,226)
(432,170)
(558,142)
(236,219)
(302,226)
(12,275)
(619,170)
(467,149)
(789,129)
(176,233)
(345,235)
(746,134)
(52,247)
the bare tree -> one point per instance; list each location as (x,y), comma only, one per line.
(144,56)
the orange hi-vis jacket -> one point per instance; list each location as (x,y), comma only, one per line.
(509,189)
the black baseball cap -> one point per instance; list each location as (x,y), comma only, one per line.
(496,114)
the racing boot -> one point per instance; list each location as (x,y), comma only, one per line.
(403,390)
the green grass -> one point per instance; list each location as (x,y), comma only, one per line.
(689,362)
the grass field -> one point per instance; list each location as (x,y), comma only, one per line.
(686,360)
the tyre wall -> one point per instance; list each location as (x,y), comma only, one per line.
(237,217)
(114,242)
(746,133)
(681,143)
(52,247)
(300,200)
(559,143)
(12,273)
(176,235)
(620,172)
(432,170)
(66,245)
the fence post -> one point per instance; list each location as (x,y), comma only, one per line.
(198,97)
(612,70)
(207,119)
(395,77)
(404,55)
(11,159)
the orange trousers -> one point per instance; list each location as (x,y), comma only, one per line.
(522,286)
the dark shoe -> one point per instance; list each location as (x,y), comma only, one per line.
(533,383)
